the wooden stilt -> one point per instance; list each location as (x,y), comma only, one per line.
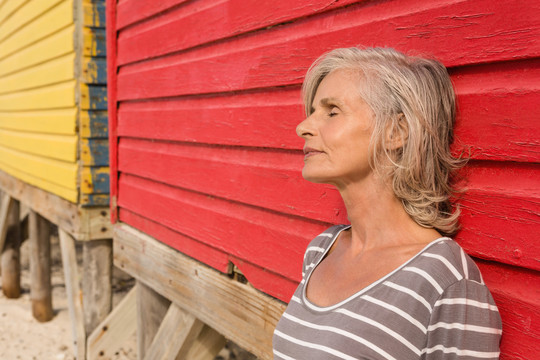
(69,262)
(7,203)
(40,267)
(117,327)
(151,308)
(97,273)
(10,258)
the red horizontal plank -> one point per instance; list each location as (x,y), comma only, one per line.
(498,110)
(132,11)
(501,213)
(189,23)
(248,233)
(250,176)
(497,115)
(261,119)
(517,294)
(211,256)
(280,56)
(500,197)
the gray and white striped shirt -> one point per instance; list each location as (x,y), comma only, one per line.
(435,306)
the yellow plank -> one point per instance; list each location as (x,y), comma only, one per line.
(50,72)
(9,6)
(57,172)
(60,147)
(55,96)
(58,18)
(26,13)
(58,44)
(62,121)
(68,194)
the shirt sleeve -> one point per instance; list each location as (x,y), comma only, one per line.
(465,324)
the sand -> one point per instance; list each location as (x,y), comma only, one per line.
(23,337)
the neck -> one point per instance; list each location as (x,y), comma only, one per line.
(378,218)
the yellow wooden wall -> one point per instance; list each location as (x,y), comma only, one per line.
(51,88)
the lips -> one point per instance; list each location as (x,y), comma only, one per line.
(309,152)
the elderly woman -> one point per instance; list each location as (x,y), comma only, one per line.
(391,285)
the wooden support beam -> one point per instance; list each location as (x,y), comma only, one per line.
(245,315)
(206,347)
(151,308)
(96,287)
(117,327)
(81,223)
(10,258)
(40,267)
(69,262)
(7,203)
(176,335)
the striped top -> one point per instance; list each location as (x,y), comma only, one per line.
(435,306)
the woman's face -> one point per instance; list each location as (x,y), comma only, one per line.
(337,133)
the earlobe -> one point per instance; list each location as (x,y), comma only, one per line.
(397,132)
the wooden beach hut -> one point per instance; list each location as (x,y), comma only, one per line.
(54,146)
(206,190)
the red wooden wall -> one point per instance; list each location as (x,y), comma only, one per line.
(204,99)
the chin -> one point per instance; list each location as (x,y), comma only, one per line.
(314,177)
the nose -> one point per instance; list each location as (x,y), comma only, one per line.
(305,128)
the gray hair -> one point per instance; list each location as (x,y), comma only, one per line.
(413,98)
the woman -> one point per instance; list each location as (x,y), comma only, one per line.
(390,285)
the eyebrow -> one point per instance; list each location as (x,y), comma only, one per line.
(326,102)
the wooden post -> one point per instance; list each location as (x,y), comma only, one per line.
(69,262)
(10,258)
(151,309)
(7,202)
(40,267)
(96,287)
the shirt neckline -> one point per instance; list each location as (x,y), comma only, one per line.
(318,308)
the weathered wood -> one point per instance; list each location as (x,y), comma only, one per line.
(40,267)
(96,287)
(82,224)
(5,209)
(117,327)
(71,275)
(151,308)
(245,315)
(176,335)
(207,346)
(10,255)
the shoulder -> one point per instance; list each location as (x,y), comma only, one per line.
(452,262)
(321,243)
(440,269)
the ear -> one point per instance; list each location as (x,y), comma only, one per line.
(397,132)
